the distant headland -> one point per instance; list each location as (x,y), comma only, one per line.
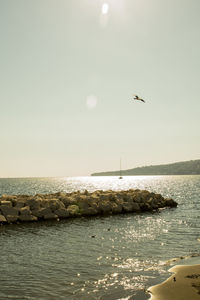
(191,167)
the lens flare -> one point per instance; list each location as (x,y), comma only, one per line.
(105,8)
(91,101)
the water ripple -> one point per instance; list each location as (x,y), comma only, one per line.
(60,260)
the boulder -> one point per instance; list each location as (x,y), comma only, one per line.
(89,211)
(135,207)
(27,218)
(158,197)
(42,212)
(11,218)
(50,216)
(6,210)
(83,205)
(145,195)
(104,197)
(153,203)
(39,196)
(34,203)
(61,195)
(129,198)
(116,208)
(125,197)
(44,203)
(105,207)
(6,203)
(73,210)
(86,193)
(8,197)
(88,206)
(145,207)
(136,198)
(69,200)
(62,213)
(55,204)
(94,205)
(127,207)
(2,219)
(93,201)
(25,210)
(45,213)
(170,202)
(19,204)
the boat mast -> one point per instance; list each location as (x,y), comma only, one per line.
(120,171)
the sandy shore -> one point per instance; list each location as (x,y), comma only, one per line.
(183,284)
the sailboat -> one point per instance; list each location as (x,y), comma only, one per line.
(120,171)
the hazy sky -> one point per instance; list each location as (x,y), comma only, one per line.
(68,69)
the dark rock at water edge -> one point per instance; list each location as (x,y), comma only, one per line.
(25,208)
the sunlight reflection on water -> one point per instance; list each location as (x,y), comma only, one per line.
(60,260)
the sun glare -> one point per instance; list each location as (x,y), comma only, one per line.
(105,8)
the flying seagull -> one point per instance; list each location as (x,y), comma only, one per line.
(135,97)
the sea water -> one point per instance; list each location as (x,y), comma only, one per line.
(111,257)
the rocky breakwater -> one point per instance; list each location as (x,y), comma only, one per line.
(25,208)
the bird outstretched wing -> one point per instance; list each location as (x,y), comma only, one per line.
(136,97)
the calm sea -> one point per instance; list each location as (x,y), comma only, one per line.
(60,260)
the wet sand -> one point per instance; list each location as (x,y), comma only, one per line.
(183,284)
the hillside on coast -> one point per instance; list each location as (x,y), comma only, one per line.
(191,167)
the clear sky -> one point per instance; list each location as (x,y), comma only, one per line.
(68,69)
